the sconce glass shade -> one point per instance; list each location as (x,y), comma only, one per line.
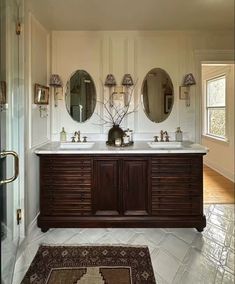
(189,80)
(55,81)
(110,81)
(127,80)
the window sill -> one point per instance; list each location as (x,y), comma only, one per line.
(216,139)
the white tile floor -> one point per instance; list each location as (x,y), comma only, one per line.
(178,255)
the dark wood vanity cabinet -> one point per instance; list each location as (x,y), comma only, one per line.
(121,191)
(121,186)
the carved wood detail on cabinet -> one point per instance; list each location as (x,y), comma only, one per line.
(121,191)
(106,187)
(135,179)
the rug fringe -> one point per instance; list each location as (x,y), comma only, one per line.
(90,245)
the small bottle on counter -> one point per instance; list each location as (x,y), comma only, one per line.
(126,139)
(63,135)
(130,134)
(178,135)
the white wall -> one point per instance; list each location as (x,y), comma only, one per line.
(221,154)
(100,53)
(38,128)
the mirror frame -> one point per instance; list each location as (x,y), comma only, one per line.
(168,98)
(66,94)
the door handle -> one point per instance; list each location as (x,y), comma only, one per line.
(16,163)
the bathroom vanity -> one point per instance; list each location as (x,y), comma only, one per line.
(137,186)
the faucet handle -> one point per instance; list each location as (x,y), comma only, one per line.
(84,139)
(73,138)
(155,138)
(167,138)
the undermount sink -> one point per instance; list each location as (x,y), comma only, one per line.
(165,145)
(76,145)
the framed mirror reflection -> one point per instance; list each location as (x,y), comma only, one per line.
(80,96)
(157,95)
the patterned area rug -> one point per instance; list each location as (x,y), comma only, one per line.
(90,265)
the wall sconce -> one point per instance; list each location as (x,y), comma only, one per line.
(110,82)
(188,81)
(127,82)
(56,82)
(123,90)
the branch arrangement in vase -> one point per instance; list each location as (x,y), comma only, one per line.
(115,113)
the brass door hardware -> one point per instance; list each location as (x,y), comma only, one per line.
(16,162)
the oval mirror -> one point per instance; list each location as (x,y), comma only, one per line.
(80,96)
(158,95)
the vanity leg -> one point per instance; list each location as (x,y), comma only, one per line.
(200,229)
(44,230)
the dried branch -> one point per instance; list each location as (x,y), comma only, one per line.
(117,113)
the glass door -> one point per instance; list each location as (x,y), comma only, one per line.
(9,136)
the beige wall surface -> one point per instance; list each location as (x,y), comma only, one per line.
(221,154)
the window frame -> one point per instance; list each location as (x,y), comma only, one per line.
(207,108)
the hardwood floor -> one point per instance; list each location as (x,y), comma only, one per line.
(217,188)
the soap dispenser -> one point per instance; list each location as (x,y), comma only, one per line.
(178,135)
(63,135)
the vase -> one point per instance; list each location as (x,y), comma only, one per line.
(114,132)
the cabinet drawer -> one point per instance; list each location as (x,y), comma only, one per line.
(67,194)
(179,189)
(180,193)
(174,171)
(175,200)
(66,180)
(67,211)
(175,181)
(183,160)
(67,170)
(166,211)
(75,189)
(68,160)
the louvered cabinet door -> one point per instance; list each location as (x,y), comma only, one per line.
(106,193)
(177,185)
(66,183)
(135,187)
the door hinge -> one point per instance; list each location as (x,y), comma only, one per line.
(18,216)
(18,28)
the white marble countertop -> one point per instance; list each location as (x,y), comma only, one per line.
(139,147)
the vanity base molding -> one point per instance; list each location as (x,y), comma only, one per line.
(45,223)
(120,191)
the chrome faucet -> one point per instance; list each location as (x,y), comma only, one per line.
(161,136)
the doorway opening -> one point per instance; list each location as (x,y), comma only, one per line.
(218,131)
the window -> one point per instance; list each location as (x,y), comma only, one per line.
(216,107)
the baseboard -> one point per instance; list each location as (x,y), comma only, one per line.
(23,243)
(229,175)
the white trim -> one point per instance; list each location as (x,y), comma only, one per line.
(215,139)
(202,56)
(32,226)
(25,241)
(216,167)
(206,107)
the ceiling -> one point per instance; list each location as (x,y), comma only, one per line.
(135,14)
